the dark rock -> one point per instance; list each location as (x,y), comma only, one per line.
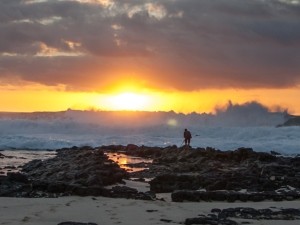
(214,170)
(32,165)
(274,153)
(58,187)
(77,171)
(87,191)
(127,192)
(2,178)
(256,197)
(221,216)
(10,188)
(209,221)
(76,223)
(232,196)
(39,185)
(218,195)
(217,185)
(80,171)
(250,213)
(166,220)
(180,196)
(292,121)
(170,182)
(131,147)
(243,197)
(86,171)
(123,191)
(216,210)
(17,177)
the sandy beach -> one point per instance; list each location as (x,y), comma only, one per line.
(100,210)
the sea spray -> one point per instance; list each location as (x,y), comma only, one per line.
(235,127)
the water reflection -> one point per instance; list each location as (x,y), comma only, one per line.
(13,160)
(130,163)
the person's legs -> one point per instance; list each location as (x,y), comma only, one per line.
(186,144)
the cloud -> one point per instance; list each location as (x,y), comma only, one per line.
(173,44)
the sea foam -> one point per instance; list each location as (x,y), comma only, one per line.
(249,125)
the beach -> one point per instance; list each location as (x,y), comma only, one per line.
(101,210)
(130,202)
(149,112)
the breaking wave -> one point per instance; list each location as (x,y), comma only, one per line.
(248,125)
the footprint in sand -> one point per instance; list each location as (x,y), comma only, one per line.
(26,219)
(37,214)
(113,216)
(116,220)
(151,210)
(129,204)
(69,203)
(53,209)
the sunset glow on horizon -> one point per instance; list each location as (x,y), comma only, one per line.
(183,56)
(205,101)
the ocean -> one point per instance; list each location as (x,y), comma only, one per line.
(254,127)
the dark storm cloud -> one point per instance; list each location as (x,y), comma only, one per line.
(181,44)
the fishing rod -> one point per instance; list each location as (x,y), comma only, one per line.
(182,143)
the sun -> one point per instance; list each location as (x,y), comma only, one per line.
(128,101)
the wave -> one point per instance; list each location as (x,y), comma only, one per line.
(248,125)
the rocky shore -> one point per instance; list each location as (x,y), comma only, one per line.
(81,171)
(213,175)
(194,175)
(191,175)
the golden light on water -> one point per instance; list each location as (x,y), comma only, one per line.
(122,160)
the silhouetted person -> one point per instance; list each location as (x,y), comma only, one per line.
(187,137)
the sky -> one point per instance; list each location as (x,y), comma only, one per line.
(181,55)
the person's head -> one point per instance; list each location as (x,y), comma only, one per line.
(185,129)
